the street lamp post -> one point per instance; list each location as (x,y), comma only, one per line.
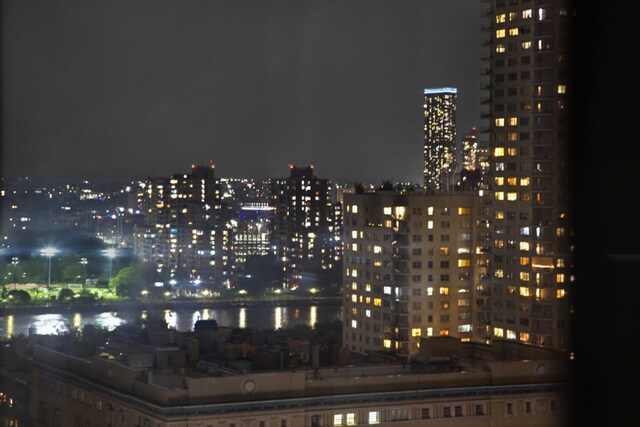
(110,253)
(84,261)
(49,251)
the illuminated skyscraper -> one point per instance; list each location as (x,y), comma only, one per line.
(183,235)
(439,137)
(470,150)
(528,75)
(305,237)
(415,265)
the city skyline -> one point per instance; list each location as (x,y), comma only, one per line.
(141,89)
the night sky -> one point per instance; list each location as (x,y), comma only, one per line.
(137,88)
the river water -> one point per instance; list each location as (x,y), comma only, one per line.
(255,316)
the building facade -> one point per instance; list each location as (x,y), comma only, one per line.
(528,72)
(305,235)
(145,389)
(183,234)
(415,264)
(439,137)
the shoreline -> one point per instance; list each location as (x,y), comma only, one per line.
(162,305)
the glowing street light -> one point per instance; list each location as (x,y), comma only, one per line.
(49,251)
(110,253)
(84,261)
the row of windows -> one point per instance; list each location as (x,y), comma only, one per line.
(400,211)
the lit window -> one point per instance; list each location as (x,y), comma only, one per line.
(499,180)
(351,419)
(354,234)
(416,332)
(560,293)
(444,291)
(525,45)
(527,14)
(354,298)
(354,324)
(387,210)
(512,136)
(354,209)
(542,14)
(501,33)
(512,196)
(512,180)
(511,335)
(498,151)
(367,313)
(430,210)
(524,182)
(524,246)
(430,225)
(562,89)
(499,195)
(337,420)
(501,18)
(377,302)
(500,48)
(512,152)
(524,336)
(513,31)
(387,290)
(464,211)
(524,276)
(524,260)
(500,122)
(464,328)
(560,278)
(513,121)
(387,343)
(513,16)
(560,262)
(354,286)
(374,417)
(498,332)
(429,291)
(524,291)
(464,263)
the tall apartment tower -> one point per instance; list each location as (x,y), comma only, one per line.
(415,265)
(439,138)
(470,150)
(182,235)
(528,74)
(304,233)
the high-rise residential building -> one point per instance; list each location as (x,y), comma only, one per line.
(469,150)
(305,236)
(415,265)
(183,234)
(252,229)
(439,137)
(528,80)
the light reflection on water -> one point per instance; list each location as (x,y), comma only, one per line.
(50,324)
(180,319)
